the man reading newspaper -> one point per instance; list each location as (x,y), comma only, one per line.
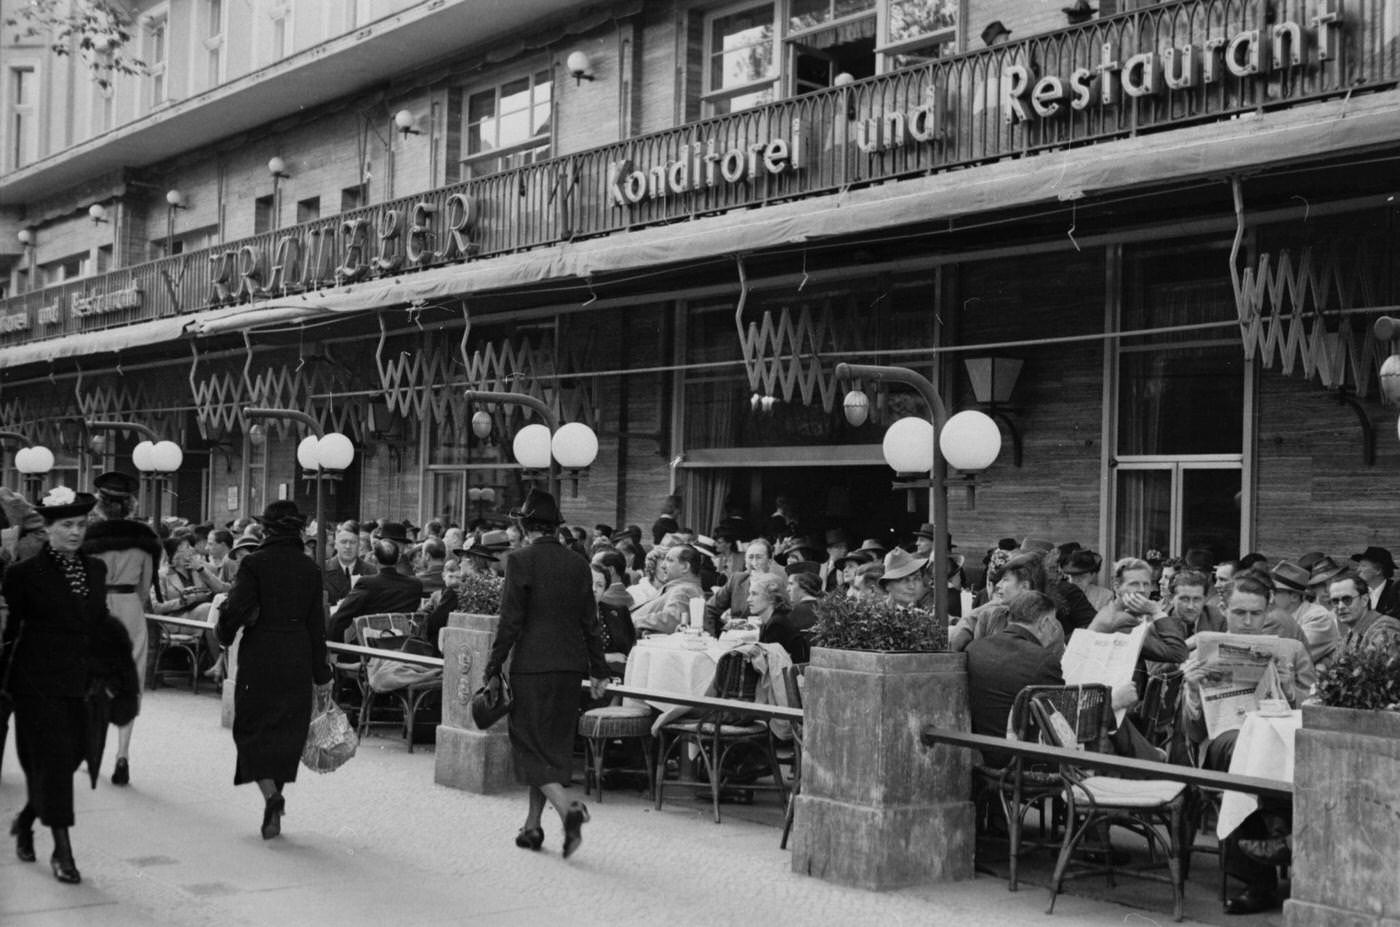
(1225,680)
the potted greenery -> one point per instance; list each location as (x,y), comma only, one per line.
(878,809)
(469,758)
(1346,795)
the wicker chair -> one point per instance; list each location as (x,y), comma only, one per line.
(718,737)
(600,726)
(390,631)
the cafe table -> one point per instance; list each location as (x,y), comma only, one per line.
(1263,748)
(674,663)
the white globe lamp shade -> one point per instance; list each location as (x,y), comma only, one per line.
(141,456)
(335,451)
(40,459)
(167,456)
(531,447)
(856,405)
(481,424)
(575,446)
(1390,379)
(908,446)
(22,460)
(306,453)
(970,441)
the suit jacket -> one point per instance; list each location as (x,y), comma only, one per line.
(336,583)
(549,621)
(998,667)
(388,591)
(1389,602)
(733,596)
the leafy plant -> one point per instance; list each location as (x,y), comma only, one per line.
(1365,679)
(480,593)
(845,623)
(97,30)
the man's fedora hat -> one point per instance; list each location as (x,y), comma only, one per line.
(1080,12)
(1376,555)
(1081,562)
(538,506)
(281,515)
(899,563)
(874,547)
(116,485)
(926,531)
(1324,571)
(1289,575)
(993,31)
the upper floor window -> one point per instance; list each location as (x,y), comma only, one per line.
(919,30)
(277,35)
(21,119)
(741,58)
(508,125)
(212,41)
(156,52)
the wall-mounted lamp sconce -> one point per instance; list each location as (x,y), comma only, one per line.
(403,121)
(97,213)
(277,168)
(175,199)
(993,380)
(579,66)
(26,238)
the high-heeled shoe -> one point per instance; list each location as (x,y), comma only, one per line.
(121,773)
(574,820)
(65,870)
(24,841)
(272,816)
(530,838)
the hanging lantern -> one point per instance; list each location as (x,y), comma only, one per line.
(481,424)
(856,405)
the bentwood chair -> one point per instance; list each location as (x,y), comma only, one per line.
(167,640)
(721,738)
(792,682)
(1152,808)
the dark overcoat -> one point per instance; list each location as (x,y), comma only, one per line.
(337,583)
(548,617)
(276,599)
(60,646)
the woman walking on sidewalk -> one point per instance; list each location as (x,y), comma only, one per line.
(276,599)
(63,655)
(550,622)
(131,552)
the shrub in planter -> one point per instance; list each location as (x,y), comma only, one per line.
(480,593)
(846,623)
(1364,679)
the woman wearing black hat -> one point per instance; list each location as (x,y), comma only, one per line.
(60,644)
(276,600)
(549,630)
(130,550)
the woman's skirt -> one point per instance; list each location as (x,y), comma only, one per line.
(126,607)
(50,739)
(543,723)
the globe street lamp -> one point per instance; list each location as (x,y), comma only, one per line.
(917,445)
(538,447)
(156,460)
(32,463)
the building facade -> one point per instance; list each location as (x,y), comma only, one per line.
(671,221)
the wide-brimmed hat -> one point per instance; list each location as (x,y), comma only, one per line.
(393,531)
(1324,571)
(116,485)
(797,549)
(874,547)
(281,515)
(705,546)
(1289,575)
(899,563)
(61,502)
(540,506)
(1310,558)
(1081,562)
(803,566)
(1376,555)
(1032,545)
(856,557)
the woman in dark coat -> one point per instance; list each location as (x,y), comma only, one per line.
(549,621)
(276,599)
(56,642)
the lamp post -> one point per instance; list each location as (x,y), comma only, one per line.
(32,463)
(156,460)
(914,445)
(324,454)
(538,447)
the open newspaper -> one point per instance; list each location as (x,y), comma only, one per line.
(1239,672)
(1103,657)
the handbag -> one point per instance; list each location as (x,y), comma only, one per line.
(330,740)
(491,702)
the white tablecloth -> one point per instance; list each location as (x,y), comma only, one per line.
(1264,748)
(662,662)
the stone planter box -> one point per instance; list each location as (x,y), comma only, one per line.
(467,757)
(1346,820)
(878,810)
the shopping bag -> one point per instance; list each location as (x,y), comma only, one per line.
(330,740)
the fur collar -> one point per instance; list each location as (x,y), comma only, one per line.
(121,534)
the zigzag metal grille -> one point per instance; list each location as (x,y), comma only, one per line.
(222,389)
(41,414)
(783,356)
(1285,308)
(219,397)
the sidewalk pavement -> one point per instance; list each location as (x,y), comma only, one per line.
(378,843)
